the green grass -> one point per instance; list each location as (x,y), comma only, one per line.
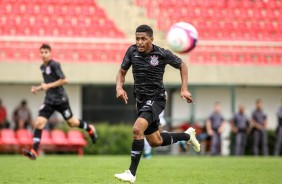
(158,170)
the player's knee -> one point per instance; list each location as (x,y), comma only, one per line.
(137,133)
(40,123)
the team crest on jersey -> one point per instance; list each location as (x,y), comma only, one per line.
(154,60)
(48,70)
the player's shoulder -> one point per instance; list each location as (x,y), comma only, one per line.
(162,51)
(54,63)
(132,48)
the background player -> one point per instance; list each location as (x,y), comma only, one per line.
(56,99)
(148,62)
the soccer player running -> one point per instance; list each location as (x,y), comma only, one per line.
(148,63)
(56,99)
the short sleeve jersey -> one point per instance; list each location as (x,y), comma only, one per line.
(216,120)
(148,70)
(259,116)
(241,121)
(51,73)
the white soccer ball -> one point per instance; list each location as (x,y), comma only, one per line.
(182,37)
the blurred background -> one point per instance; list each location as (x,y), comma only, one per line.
(238,59)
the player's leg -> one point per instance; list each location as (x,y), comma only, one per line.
(147,149)
(157,138)
(66,112)
(44,113)
(136,151)
(39,126)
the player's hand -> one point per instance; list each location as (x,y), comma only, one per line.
(35,89)
(44,86)
(185,95)
(121,94)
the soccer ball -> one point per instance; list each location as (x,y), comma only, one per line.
(182,37)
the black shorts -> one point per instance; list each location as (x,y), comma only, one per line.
(150,110)
(46,110)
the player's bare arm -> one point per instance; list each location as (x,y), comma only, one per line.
(60,82)
(36,89)
(46,86)
(185,94)
(120,92)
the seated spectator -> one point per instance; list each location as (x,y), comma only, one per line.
(3,116)
(22,116)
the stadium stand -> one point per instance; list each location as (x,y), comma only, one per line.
(222,20)
(24,137)
(9,140)
(33,22)
(51,141)
(77,140)
(81,31)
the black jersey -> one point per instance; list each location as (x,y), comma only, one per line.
(51,73)
(148,70)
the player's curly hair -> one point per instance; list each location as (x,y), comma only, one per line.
(145,28)
(45,46)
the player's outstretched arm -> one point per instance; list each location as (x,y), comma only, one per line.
(36,89)
(120,79)
(184,83)
(57,83)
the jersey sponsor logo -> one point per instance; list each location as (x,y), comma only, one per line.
(67,113)
(48,70)
(154,60)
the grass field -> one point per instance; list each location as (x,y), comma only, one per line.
(158,170)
